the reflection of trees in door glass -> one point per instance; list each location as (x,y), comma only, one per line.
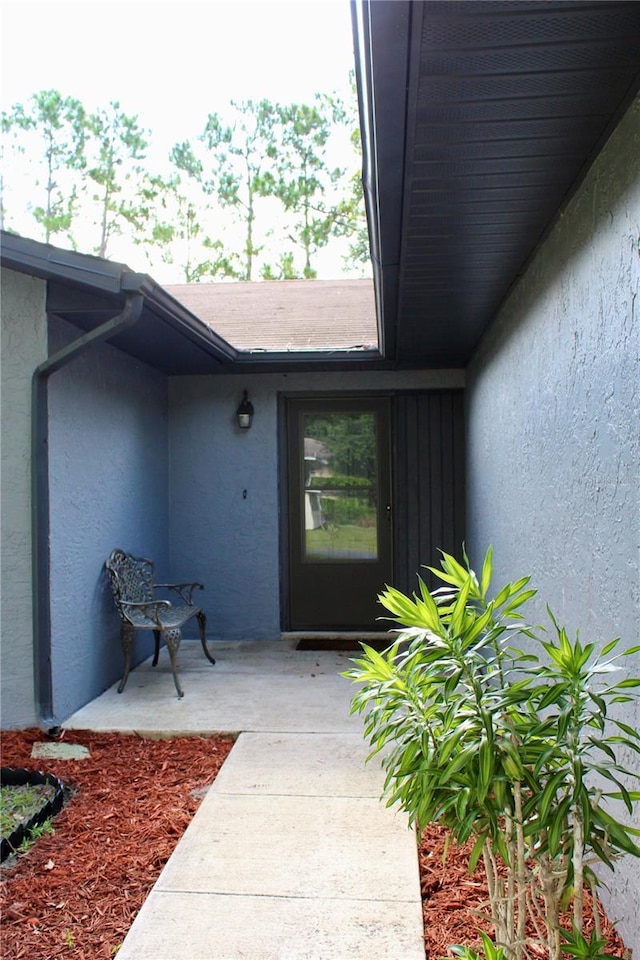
(340,486)
(349,439)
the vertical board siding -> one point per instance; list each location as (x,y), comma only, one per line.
(429,481)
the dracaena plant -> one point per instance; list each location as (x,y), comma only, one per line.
(512,749)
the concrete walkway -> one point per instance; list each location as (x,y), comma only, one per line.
(291,855)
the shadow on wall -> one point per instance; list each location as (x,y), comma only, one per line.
(107,660)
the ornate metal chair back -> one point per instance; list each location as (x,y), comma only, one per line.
(131,577)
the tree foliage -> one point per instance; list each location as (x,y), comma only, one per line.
(351,220)
(302,177)
(239,151)
(350,439)
(117,144)
(59,124)
(175,228)
(253,195)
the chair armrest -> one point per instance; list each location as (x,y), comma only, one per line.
(184,590)
(150,610)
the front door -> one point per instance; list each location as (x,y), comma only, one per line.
(339,512)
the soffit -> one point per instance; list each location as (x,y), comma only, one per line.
(480,119)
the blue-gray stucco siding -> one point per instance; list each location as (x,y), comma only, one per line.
(553,427)
(232,540)
(108,469)
(24,347)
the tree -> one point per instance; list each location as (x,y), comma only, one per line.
(232,171)
(351,440)
(176,229)
(59,123)
(5,129)
(285,269)
(352,219)
(217,213)
(241,149)
(302,176)
(353,214)
(118,142)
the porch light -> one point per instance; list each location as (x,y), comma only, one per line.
(245,413)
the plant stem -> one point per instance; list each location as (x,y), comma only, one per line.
(509,906)
(548,888)
(535,914)
(497,899)
(597,926)
(521,862)
(490,872)
(578,867)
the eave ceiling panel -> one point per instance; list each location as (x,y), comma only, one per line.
(507,105)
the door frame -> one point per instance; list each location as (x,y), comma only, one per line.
(283,480)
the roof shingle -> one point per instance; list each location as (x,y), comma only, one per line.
(286,314)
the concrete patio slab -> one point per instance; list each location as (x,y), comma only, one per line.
(273,928)
(301,764)
(265,687)
(291,854)
(294,847)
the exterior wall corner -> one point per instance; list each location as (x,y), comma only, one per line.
(24,347)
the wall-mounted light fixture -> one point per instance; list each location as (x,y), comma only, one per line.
(244,413)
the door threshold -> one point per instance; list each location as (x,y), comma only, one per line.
(338,639)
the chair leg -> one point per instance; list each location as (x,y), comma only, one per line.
(172,638)
(127,633)
(202,623)
(156,634)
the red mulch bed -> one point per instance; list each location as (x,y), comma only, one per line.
(455,905)
(75,893)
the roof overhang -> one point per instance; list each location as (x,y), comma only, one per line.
(479,121)
(88,291)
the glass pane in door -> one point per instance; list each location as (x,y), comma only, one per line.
(340,487)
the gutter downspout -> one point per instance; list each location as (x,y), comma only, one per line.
(40,519)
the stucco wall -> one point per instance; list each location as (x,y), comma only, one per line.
(108,488)
(24,346)
(229,541)
(554,427)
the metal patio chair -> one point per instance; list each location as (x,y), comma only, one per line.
(134,593)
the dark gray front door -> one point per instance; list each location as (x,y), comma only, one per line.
(339,511)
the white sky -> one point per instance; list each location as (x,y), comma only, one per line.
(173,62)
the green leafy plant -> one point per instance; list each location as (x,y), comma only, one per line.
(576,945)
(489,951)
(339,482)
(19,803)
(42,830)
(515,753)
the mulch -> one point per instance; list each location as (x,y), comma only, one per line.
(75,893)
(455,904)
